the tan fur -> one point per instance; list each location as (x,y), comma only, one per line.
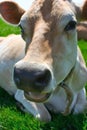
(51,43)
(84,9)
(82,30)
(1,39)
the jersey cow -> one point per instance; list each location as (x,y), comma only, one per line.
(82,30)
(47,71)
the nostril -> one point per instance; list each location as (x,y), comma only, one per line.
(17,81)
(43,78)
(16,77)
(31,77)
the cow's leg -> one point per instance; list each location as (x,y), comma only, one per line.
(38,110)
(81,103)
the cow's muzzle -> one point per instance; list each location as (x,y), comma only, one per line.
(33,79)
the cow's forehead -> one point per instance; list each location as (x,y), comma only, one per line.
(57,13)
(49,8)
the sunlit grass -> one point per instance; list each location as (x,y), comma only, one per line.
(6,29)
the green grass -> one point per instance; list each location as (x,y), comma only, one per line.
(6,29)
(12,118)
(83,46)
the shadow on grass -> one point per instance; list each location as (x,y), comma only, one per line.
(6,99)
(71,122)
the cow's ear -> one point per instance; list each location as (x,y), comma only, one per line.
(11,11)
(81,11)
(84,11)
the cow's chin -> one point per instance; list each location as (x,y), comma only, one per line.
(37,97)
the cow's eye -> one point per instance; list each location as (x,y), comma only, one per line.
(22,30)
(70,26)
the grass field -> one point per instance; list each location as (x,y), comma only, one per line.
(11,118)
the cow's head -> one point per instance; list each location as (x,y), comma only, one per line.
(49,29)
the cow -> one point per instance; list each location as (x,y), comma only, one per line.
(45,71)
(82,30)
(1,39)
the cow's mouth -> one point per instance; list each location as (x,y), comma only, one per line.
(36,97)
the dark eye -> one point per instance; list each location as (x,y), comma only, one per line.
(22,30)
(70,26)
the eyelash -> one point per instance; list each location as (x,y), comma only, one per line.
(22,30)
